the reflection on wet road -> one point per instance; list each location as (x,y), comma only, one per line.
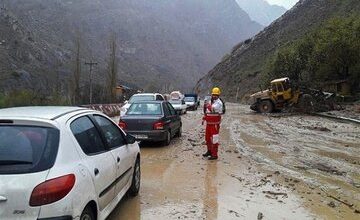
(275,167)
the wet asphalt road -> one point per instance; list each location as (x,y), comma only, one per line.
(271,166)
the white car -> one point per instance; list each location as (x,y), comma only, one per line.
(140,97)
(63,163)
(179,105)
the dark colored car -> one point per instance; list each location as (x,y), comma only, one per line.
(191,103)
(152,121)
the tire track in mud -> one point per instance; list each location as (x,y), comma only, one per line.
(177,183)
(323,154)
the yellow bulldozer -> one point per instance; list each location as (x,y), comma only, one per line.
(280,95)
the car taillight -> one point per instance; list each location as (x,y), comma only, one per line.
(159,125)
(52,190)
(122,125)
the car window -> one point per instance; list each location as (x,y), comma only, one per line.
(280,88)
(175,102)
(27,149)
(159,98)
(87,136)
(112,133)
(189,99)
(137,98)
(145,109)
(171,108)
(166,109)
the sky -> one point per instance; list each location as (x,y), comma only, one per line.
(286,3)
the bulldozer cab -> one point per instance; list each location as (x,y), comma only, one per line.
(281,89)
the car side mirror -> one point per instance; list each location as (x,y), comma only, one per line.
(130,139)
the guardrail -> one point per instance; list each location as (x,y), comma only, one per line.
(110,110)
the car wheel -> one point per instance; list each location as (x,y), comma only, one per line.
(135,184)
(168,138)
(87,214)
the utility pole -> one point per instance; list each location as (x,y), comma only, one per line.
(91,64)
(237,94)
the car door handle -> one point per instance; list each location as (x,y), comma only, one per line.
(96,171)
(118,159)
(3,199)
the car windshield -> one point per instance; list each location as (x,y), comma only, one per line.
(137,98)
(25,149)
(189,99)
(145,109)
(175,102)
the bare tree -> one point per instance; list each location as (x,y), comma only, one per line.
(77,72)
(112,70)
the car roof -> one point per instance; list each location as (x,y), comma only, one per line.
(140,94)
(44,112)
(150,101)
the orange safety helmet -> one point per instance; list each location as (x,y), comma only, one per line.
(215,91)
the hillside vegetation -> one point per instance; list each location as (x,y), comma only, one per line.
(330,53)
(255,61)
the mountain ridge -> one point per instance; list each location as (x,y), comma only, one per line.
(178,45)
(261,11)
(245,67)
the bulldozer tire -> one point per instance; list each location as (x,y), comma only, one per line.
(266,106)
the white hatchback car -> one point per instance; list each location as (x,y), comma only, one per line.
(62,163)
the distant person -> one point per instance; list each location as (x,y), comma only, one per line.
(213,111)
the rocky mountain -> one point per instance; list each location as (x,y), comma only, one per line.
(160,43)
(242,71)
(261,11)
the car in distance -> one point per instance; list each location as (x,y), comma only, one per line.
(64,163)
(140,97)
(179,105)
(152,121)
(191,103)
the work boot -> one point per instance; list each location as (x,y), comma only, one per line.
(213,158)
(206,154)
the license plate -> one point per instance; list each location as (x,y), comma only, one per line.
(141,136)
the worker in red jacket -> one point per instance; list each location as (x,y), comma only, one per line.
(213,112)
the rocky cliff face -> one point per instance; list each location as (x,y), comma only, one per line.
(160,43)
(242,70)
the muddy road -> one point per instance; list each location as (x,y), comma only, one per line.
(270,167)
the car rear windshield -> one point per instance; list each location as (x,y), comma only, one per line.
(145,109)
(189,99)
(27,149)
(138,98)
